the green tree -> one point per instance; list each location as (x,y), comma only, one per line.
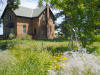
(13,3)
(80,15)
(40,3)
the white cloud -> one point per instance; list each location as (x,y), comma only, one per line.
(29,4)
(2,6)
(60,20)
(55,11)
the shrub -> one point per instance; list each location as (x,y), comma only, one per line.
(26,37)
(11,36)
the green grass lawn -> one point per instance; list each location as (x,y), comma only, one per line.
(32,57)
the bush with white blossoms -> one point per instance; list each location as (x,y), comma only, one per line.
(79,63)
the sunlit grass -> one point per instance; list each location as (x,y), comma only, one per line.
(33,57)
(30,57)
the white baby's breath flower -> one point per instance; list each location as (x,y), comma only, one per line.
(80,63)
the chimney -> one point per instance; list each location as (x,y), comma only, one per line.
(47,6)
(48,30)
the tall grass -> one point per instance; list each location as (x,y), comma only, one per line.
(27,57)
(36,63)
(32,57)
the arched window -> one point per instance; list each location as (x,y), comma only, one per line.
(11,30)
(34,30)
(1,23)
(50,28)
(44,17)
(24,29)
(9,17)
(44,29)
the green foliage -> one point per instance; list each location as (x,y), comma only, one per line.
(26,37)
(79,14)
(27,57)
(11,36)
(13,4)
(97,31)
(40,3)
(37,63)
(95,47)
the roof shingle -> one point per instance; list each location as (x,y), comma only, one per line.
(28,12)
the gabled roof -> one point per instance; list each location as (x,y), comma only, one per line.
(28,12)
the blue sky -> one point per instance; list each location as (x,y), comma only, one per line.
(29,3)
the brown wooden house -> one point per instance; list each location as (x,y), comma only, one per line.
(38,23)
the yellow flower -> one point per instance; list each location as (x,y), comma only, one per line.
(85,68)
(57,66)
(64,58)
(52,68)
(57,57)
(55,61)
(62,65)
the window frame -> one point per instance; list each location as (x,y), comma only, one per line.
(34,30)
(0,25)
(44,30)
(44,17)
(11,30)
(50,28)
(24,29)
(9,17)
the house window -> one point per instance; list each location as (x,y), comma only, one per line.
(24,29)
(11,30)
(50,28)
(44,17)
(9,17)
(44,29)
(0,25)
(1,21)
(34,30)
